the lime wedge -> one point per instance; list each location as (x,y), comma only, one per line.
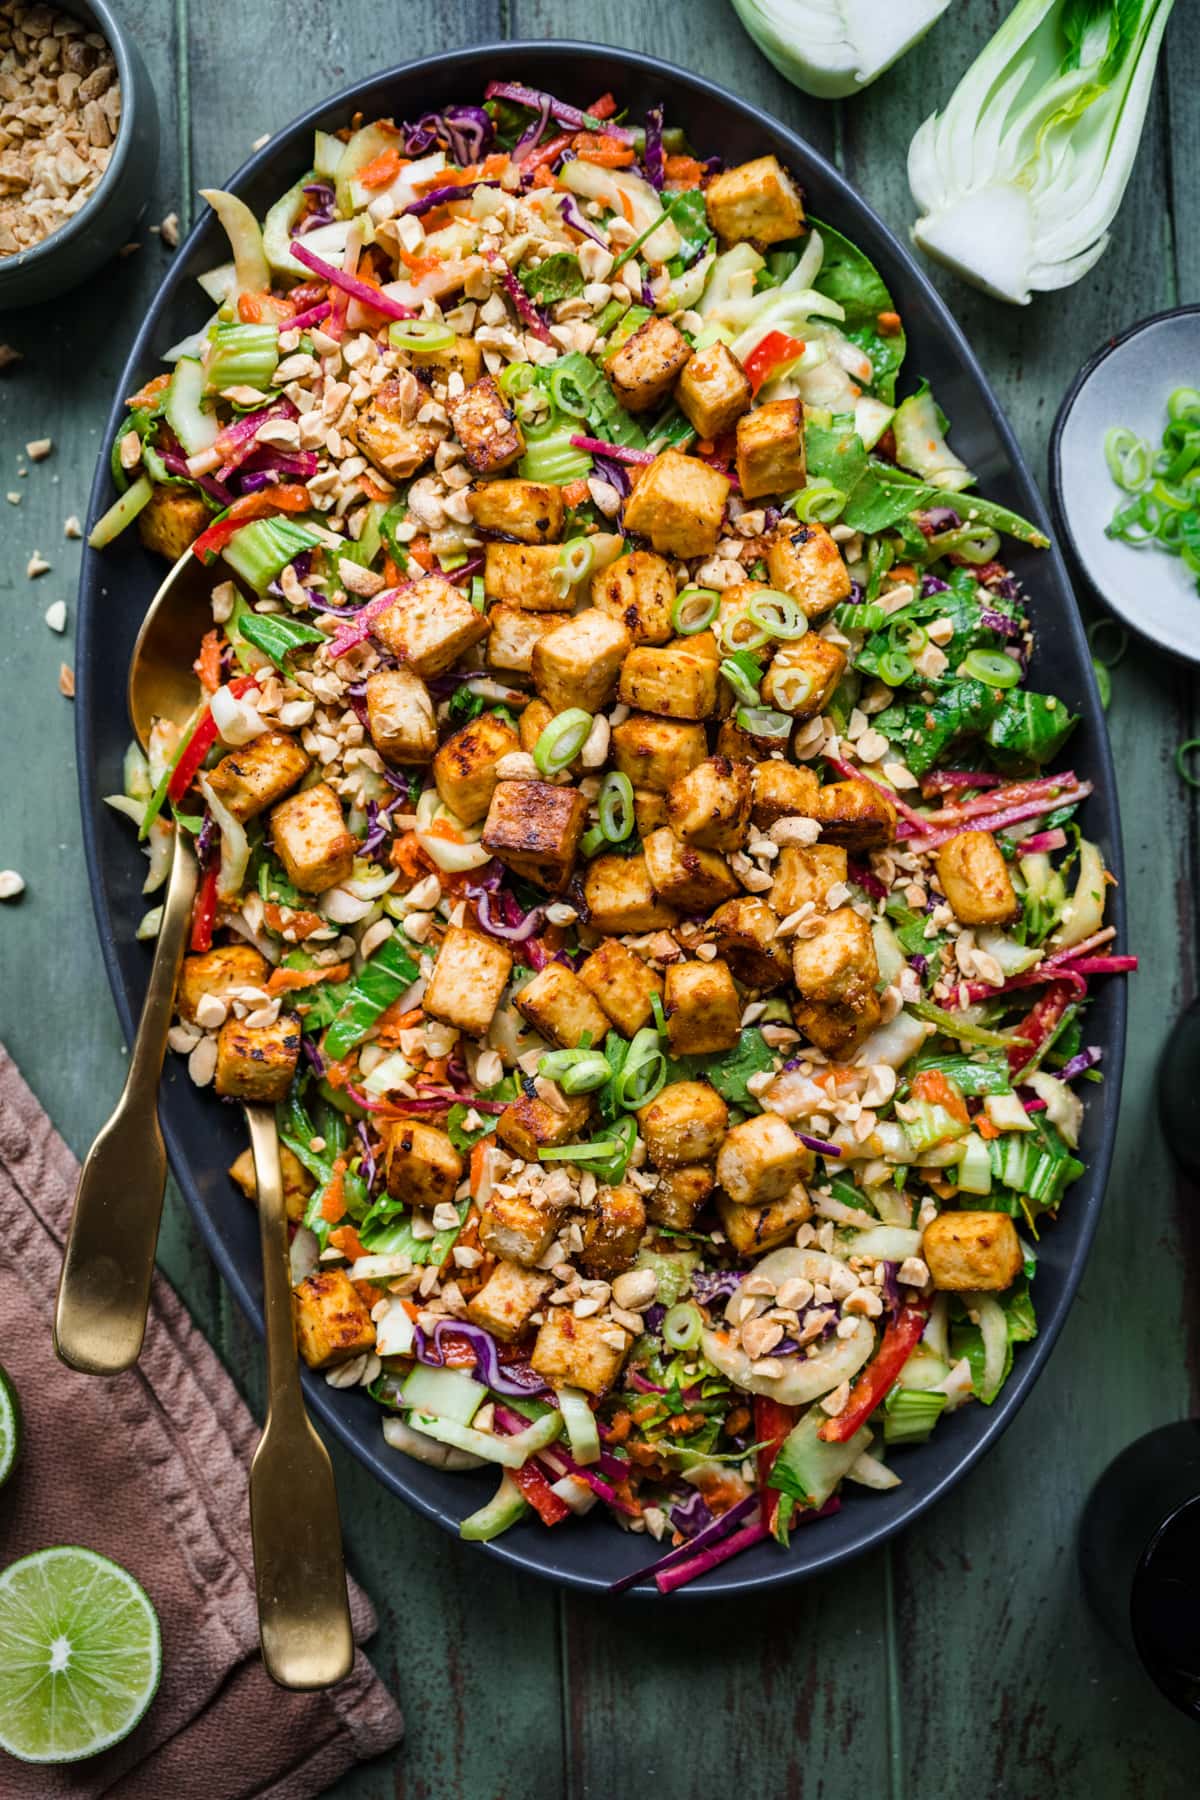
(81,1654)
(10,1427)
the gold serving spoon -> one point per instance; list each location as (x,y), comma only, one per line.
(104,1287)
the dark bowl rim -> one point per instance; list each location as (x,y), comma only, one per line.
(320,1397)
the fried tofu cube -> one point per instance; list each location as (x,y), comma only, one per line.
(783,791)
(171,520)
(975,880)
(622,984)
(678,503)
(531,724)
(702,1007)
(684,1125)
(806,873)
(639,590)
(760,1161)
(298,1184)
(805,562)
(612,1232)
(256,774)
(582,1353)
(511,1226)
(740,745)
(710,805)
(534,828)
(529,1124)
(422,1166)
(333,1321)
(257,1062)
(429,625)
(486,427)
(508,1299)
(836,972)
(311,839)
(802,677)
(756,200)
(531,511)
(468,979)
(219,972)
(620,899)
(770,449)
(670,681)
(463,357)
(465,766)
(746,932)
(972,1250)
(557,1004)
(685,876)
(753,1229)
(400,717)
(386,431)
(577,663)
(656,753)
(512,636)
(855,813)
(528,576)
(713,391)
(642,372)
(678,1197)
(649,811)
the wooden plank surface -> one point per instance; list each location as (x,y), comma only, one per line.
(962,1660)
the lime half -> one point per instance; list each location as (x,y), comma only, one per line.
(80,1654)
(10,1427)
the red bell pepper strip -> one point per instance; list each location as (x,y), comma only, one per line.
(774,350)
(899,1341)
(197,747)
(251,506)
(205,909)
(772,1423)
(540,1495)
(546,152)
(1039,1022)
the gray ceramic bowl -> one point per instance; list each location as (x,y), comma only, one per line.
(97,231)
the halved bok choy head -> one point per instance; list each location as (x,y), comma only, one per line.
(832,48)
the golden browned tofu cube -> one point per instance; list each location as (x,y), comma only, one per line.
(770,449)
(468,979)
(257,1062)
(582,1353)
(806,873)
(256,774)
(429,625)
(649,811)
(612,1232)
(972,1250)
(639,590)
(513,634)
(400,717)
(219,972)
(387,432)
(975,880)
(855,813)
(761,1160)
(740,745)
(714,391)
(465,766)
(805,562)
(298,1184)
(622,984)
(678,503)
(620,899)
(511,1226)
(643,371)
(530,1124)
(783,791)
(577,663)
(655,753)
(802,678)
(835,972)
(531,511)
(527,575)
(746,933)
(170,520)
(557,1004)
(734,628)
(423,1168)
(678,1197)
(703,1009)
(311,839)
(756,200)
(531,724)
(463,357)
(684,876)
(753,1229)
(486,427)
(710,805)
(508,1299)
(670,681)
(684,1125)
(333,1322)
(534,828)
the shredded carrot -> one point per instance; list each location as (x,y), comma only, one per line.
(151,391)
(683,169)
(420,553)
(298,925)
(705,446)
(382,170)
(682,1423)
(574,493)
(545,177)
(627,207)
(607,152)
(888,323)
(442,828)
(410,858)
(933,1087)
(418,266)
(250,310)
(645,1410)
(370,489)
(333,1200)
(737,1421)
(208,664)
(902,572)
(289,981)
(985,1128)
(619,1429)
(478,1152)
(393,575)
(337,1074)
(347,1240)
(435,1070)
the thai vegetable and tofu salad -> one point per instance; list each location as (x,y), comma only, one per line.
(630,860)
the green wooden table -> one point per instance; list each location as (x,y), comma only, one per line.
(961,1660)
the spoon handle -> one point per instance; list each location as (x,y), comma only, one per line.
(104,1287)
(300,1576)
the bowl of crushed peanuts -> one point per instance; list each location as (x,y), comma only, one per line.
(78,143)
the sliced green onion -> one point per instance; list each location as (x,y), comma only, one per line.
(575,1071)
(682,1326)
(1128,457)
(616,807)
(1103,683)
(562,740)
(478,594)
(694,610)
(644,1072)
(566,395)
(1183,403)
(764,721)
(866,616)
(1095,631)
(992,667)
(425,334)
(575,561)
(820,503)
(516,378)
(778,615)
(592,840)
(581,1153)
(1185,749)
(895,667)
(744,676)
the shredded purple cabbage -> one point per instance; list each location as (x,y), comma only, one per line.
(691,1515)
(614,473)
(1001,622)
(435,196)
(322,196)
(890,1287)
(514,1378)
(206,839)
(819,1145)
(941,518)
(572,216)
(467,131)
(920,964)
(313,1054)
(513,930)
(933,584)
(709,1285)
(1078,1065)
(653,160)
(570,116)
(368,1155)
(531,137)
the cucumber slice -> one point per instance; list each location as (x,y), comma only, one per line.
(183,407)
(580,1421)
(505,1508)
(450,1394)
